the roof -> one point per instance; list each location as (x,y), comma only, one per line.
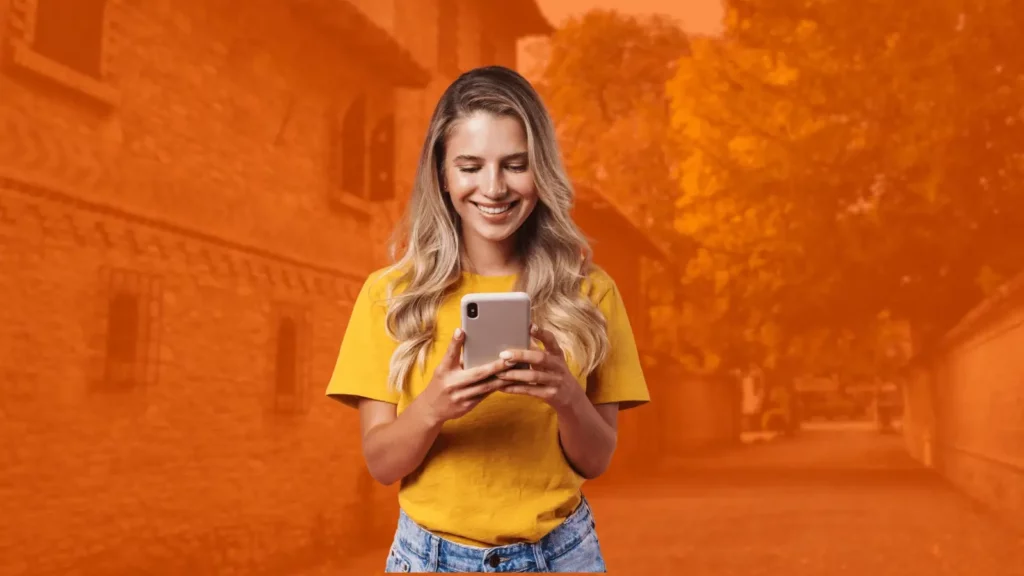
(520,17)
(592,207)
(374,46)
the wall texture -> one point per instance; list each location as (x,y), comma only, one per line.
(178,258)
(965,408)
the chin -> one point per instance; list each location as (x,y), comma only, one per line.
(495,235)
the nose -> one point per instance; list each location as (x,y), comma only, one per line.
(495,188)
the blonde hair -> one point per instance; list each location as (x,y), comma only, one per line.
(555,254)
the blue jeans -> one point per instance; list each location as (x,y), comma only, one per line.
(571,547)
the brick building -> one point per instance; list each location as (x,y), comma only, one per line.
(188,196)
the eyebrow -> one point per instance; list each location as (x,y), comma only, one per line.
(471,158)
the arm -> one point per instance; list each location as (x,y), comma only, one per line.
(588,435)
(395,445)
(587,432)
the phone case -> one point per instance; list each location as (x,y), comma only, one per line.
(502,322)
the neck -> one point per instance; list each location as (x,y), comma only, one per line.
(489,258)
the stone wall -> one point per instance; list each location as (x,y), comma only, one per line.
(965,407)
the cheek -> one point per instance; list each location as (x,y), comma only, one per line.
(460,192)
(462,183)
(524,185)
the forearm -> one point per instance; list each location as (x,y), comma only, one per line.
(393,450)
(588,441)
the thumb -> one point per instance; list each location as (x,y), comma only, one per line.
(453,357)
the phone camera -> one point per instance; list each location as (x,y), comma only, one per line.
(471,310)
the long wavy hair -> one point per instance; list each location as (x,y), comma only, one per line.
(426,247)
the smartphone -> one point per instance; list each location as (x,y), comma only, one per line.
(494,322)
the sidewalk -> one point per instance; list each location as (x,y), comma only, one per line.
(822,503)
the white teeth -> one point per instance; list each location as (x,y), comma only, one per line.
(490,210)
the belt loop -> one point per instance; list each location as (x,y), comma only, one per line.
(434,551)
(538,555)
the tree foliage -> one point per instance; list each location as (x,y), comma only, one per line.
(844,166)
(847,160)
(604,83)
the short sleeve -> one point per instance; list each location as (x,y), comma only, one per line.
(361,370)
(620,377)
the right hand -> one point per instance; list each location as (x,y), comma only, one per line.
(454,391)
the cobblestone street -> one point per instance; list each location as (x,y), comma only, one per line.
(830,501)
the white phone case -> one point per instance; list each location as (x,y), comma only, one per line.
(501,322)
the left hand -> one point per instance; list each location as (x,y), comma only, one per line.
(548,376)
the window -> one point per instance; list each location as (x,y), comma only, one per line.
(70,32)
(361,162)
(353,148)
(382,161)
(285,377)
(132,308)
(288,374)
(122,340)
(447,36)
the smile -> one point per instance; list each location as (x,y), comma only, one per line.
(496,209)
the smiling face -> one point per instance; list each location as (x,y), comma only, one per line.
(490,181)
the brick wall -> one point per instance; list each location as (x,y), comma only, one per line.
(964,408)
(144,478)
(194,175)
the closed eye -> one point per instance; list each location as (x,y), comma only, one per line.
(513,168)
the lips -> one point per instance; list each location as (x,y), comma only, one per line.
(496,209)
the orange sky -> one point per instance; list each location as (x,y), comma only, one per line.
(696,16)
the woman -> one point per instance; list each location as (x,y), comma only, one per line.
(491,460)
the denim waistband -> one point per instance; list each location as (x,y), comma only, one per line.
(435,551)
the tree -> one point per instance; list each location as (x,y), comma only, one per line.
(847,160)
(604,83)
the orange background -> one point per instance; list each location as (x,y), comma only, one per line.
(813,210)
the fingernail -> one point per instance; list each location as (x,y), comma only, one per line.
(534,328)
(510,362)
(458,332)
(505,355)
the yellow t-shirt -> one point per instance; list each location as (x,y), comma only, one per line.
(498,474)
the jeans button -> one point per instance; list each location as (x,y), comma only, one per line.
(493,561)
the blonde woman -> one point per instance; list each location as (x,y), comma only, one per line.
(491,460)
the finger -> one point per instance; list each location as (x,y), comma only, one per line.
(542,392)
(479,390)
(547,338)
(529,377)
(531,357)
(452,360)
(474,375)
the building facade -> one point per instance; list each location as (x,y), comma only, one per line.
(191,194)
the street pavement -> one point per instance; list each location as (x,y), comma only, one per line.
(833,500)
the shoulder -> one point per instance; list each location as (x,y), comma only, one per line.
(376,286)
(598,284)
